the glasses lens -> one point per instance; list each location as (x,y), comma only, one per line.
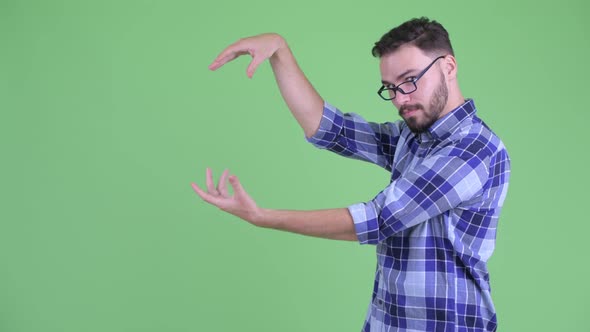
(407,87)
(386,93)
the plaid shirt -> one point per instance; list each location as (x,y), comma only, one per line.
(435,223)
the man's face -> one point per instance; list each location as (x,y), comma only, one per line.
(421,108)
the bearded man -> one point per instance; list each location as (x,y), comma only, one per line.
(434,224)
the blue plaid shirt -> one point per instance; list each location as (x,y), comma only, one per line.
(435,223)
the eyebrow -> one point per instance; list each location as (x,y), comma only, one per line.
(400,76)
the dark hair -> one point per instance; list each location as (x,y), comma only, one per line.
(428,35)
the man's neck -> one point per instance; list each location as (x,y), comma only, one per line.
(453,102)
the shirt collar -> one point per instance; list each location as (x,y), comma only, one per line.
(446,124)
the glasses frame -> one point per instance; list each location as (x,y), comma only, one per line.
(396,89)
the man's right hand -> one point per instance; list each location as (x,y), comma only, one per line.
(301,97)
(260,47)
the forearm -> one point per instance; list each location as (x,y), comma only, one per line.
(303,100)
(336,224)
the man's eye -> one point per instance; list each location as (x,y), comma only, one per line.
(410,79)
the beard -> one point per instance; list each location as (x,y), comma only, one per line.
(437,104)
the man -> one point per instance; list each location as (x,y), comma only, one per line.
(434,225)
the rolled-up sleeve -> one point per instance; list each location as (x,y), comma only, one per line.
(349,135)
(330,127)
(366,221)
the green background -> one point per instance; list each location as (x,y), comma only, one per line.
(108,112)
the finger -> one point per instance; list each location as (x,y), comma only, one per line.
(235,183)
(199,191)
(210,184)
(256,61)
(220,61)
(222,185)
(228,54)
(211,199)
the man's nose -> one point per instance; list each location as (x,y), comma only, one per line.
(401,99)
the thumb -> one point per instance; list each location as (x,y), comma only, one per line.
(235,183)
(256,61)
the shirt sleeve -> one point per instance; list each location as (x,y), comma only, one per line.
(351,136)
(441,182)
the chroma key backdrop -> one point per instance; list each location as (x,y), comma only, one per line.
(108,112)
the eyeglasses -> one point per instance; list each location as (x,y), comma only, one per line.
(387,92)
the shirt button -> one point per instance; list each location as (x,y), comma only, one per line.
(380,302)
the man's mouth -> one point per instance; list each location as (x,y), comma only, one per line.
(409,111)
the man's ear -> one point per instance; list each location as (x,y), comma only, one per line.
(450,67)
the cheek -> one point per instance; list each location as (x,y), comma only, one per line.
(423,95)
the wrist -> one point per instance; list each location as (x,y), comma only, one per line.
(280,42)
(282,50)
(259,217)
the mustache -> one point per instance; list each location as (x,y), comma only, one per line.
(403,108)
